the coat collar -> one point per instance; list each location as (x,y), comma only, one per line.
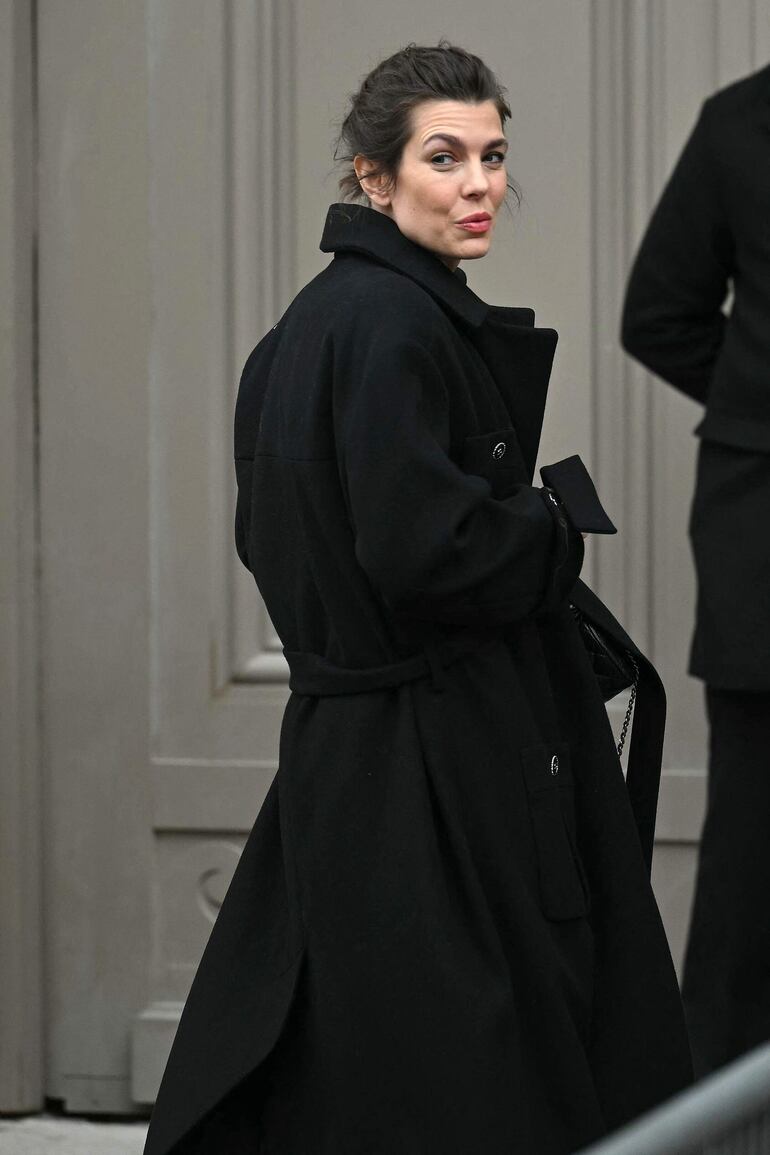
(518,355)
(360,229)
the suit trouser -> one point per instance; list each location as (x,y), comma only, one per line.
(726,982)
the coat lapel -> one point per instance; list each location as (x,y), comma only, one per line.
(519,357)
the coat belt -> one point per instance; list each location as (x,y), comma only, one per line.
(314,674)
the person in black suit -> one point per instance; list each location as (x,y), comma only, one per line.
(709,234)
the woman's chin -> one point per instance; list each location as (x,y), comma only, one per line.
(473,248)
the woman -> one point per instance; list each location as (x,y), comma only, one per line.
(441,935)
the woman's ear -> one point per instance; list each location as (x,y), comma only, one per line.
(377,188)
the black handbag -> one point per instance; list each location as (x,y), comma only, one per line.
(615,668)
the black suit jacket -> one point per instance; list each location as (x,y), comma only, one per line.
(711,232)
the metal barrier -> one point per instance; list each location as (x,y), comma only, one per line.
(727,1113)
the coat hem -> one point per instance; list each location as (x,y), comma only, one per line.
(175,1140)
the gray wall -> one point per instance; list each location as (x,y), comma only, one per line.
(170,165)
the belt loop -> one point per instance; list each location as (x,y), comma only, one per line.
(437,679)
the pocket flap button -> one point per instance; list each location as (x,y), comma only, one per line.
(498,450)
(554,765)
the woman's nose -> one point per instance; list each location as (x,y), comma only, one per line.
(476,179)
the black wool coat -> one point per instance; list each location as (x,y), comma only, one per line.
(711,231)
(441,935)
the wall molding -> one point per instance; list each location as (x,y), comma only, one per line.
(21,1042)
(627,43)
(201,794)
(653,63)
(262,257)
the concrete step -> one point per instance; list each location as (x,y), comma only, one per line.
(46,1135)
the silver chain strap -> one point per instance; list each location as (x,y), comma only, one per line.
(630,710)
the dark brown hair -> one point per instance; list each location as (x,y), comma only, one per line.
(379,122)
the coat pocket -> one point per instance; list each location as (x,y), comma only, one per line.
(496,457)
(564,889)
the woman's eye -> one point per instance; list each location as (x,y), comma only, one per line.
(444,159)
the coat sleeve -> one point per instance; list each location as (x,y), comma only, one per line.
(672,317)
(432,539)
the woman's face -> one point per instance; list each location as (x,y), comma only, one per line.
(452,168)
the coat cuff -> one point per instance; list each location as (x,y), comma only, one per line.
(568,558)
(572,483)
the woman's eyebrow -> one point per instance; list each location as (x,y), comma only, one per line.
(455,140)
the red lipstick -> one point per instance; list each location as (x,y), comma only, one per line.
(475,223)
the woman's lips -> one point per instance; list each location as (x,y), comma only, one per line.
(475,226)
